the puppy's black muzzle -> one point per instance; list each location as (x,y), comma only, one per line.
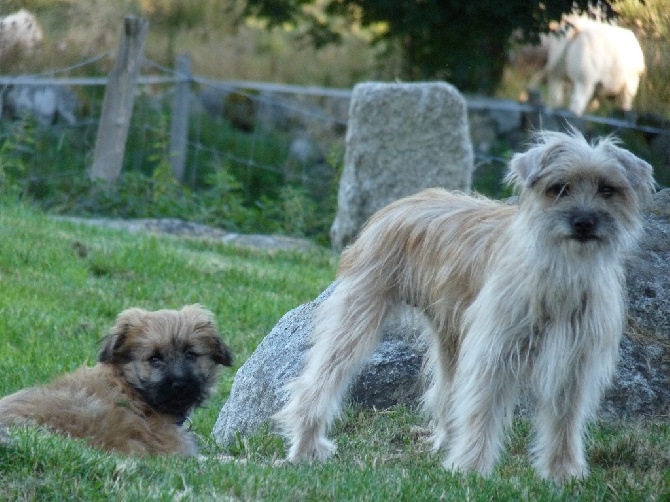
(176,394)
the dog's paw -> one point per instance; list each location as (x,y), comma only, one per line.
(564,473)
(438,440)
(5,440)
(311,449)
(467,462)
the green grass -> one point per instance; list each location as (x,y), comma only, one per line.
(62,286)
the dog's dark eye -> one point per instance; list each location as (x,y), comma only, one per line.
(155,359)
(190,354)
(559,190)
(606,191)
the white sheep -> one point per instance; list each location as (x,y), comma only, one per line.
(596,58)
(19,29)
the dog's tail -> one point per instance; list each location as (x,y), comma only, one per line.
(346,330)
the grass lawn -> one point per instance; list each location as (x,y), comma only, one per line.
(61,288)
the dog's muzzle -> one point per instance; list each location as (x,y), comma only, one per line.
(583,226)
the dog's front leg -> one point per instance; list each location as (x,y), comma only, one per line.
(564,407)
(558,449)
(484,392)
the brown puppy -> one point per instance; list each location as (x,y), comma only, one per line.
(154,369)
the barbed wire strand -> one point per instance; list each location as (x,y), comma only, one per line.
(76,66)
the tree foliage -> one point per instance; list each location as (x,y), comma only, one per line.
(464,42)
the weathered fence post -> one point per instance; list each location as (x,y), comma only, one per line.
(117,106)
(179,127)
(534,117)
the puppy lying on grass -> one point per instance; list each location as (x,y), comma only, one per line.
(153,370)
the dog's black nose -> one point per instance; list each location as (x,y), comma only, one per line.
(178,385)
(583,225)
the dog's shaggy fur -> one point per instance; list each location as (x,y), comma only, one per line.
(529,294)
(154,368)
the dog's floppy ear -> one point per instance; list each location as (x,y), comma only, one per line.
(221,353)
(114,347)
(640,174)
(204,321)
(525,167)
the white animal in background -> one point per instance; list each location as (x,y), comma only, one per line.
(19,29)
(49,104)
(596,58)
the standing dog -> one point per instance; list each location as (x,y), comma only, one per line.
(530,294)
(154,369)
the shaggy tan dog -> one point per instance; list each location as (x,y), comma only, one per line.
(517,295)
(154,369)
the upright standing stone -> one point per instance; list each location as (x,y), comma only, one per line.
(401,139)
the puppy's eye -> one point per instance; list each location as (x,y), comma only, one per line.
(606,191)
(155,359)
(558,190)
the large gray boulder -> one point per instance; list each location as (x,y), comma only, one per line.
(400,139)
(257,391)
(640,388)
(641,385)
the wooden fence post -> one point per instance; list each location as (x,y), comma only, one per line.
(534,117)
(117,107)
(180,108)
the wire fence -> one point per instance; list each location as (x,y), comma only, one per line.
(290,132)
(256,110)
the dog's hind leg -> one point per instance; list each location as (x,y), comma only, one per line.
(346,331)
(439,367)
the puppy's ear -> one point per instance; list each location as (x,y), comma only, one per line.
(110,345)
(640,174)
(115,349)
(204,323)
(525,168)
(221,353)
(218,351)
